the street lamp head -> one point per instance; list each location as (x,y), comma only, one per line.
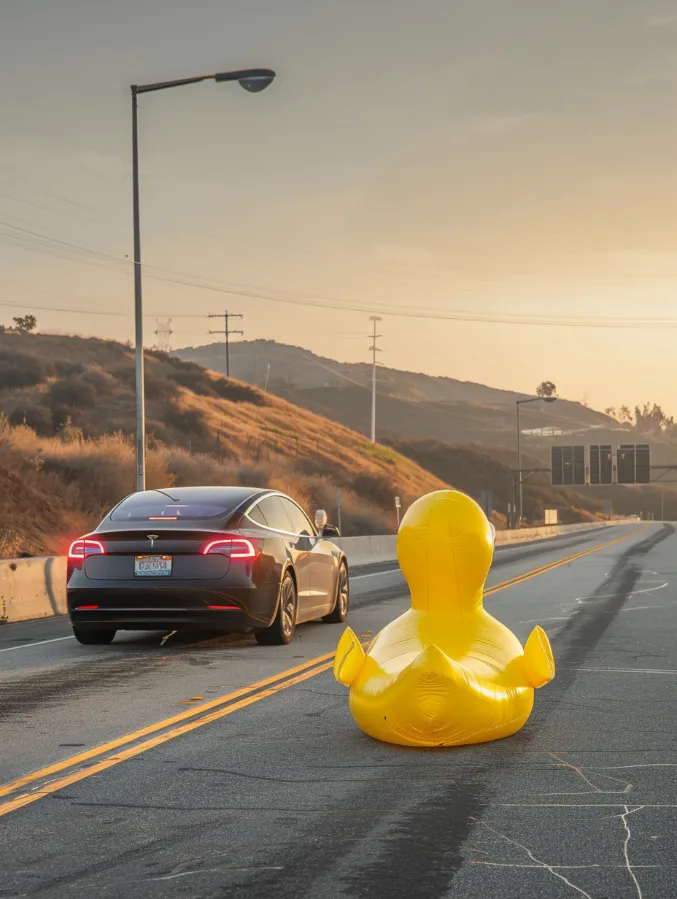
(257,83)
(252,80)
(550,399)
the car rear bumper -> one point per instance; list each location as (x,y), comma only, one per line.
(183,608)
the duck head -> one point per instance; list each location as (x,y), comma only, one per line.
(445,546)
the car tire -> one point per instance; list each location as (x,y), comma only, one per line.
(281,631)
(340,611)
(94,637)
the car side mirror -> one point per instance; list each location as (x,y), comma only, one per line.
(330,531)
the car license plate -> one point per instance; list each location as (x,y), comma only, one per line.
(153,566)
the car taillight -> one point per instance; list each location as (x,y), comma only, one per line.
(85,547)
(235,547)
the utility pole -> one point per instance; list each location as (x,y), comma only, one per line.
(226,316)
(374,350)
(519,467)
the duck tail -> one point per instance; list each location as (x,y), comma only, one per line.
(434,672)
(349,659)
(539,663)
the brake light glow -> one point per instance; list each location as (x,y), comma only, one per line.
(85,608)
(224,608)
(84,547)
(235,547)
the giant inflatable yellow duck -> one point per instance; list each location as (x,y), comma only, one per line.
(445,673)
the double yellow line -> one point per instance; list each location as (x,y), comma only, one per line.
(62,774)
(527,576)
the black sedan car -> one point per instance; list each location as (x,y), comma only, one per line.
(229,559)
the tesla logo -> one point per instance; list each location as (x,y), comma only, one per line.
(152,538)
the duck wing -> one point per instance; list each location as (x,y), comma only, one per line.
(349,658)
(539,663)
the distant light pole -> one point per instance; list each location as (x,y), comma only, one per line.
(374,350)
(252,80)
(518,403)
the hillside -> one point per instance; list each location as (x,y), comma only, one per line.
(414,406)
(68,410)
(409,405)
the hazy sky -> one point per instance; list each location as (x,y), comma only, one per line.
(494,157)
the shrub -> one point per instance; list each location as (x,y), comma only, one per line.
(101,381)
(72,392)
(63,368)
(195,379)
(236,392)
(187,422)
(22,370)
(358,519)
(37,417)
(159,388)
(69,432)
(124,373)
(374,488)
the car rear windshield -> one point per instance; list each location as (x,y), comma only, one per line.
(162,508)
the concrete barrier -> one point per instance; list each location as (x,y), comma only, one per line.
(32,588)
(374,550)
(36,588)
(368,550)
(547,532)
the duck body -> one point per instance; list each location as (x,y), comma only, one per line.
(446,672)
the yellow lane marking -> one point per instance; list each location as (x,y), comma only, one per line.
(274,684)
(26,798)
(153,728)
(552,565)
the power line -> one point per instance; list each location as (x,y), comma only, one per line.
(348,305)
(227,331)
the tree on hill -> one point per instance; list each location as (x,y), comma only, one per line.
(24,324)
(611,412)
(625,414)
(546,388)
(652,420)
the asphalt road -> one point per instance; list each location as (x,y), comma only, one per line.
(274,792)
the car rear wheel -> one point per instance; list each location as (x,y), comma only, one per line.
(94,637)
(340,612)
(282,629)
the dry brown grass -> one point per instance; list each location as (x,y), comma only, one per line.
(52,490)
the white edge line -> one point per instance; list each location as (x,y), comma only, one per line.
(359,577)
(37,643)
(625,670)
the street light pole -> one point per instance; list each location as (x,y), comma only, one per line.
(533,399)
(138,307)
(252,80)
